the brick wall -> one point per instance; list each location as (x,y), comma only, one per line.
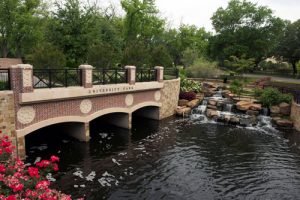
(295,115)
(7,62)
(7,114)
(169,100)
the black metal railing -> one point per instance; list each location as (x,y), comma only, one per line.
(5,79)
(145,75)
(52,78)
(109,76)
(171,73)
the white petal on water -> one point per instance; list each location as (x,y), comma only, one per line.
(103,135)
(105,174)
(91,176)
(38,159)
(115,161)
(82,186)
(104,182)
(75,186)
(78,173)
(122,154)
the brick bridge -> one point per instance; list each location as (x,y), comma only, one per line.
(74,98)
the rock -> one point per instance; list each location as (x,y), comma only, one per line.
(193,103)
(248,121)
(234,120)
(255,107)
(183,102)
(275,110)
(212,102)
(208,93)
(212,107)
(200,96)
(285,109)
(212,113)
(284,123)
(183,111)
(243,105)
(227,118)
(252,112)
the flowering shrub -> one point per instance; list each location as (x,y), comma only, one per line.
(187,96)
(20,182)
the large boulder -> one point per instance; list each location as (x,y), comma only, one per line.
(200,96)
(212,102)
(194,103)
(275,110)
(212,113)
(284,123)
(212,107)
(285,109)
(234,120)
(252,112)
(183,111)
(255,107)
(183,102)
(243,105)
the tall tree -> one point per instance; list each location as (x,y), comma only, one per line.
(244,29)
(289,46)
(71,29)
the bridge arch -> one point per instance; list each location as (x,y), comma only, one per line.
(87,119)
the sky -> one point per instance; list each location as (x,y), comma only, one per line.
(199,12)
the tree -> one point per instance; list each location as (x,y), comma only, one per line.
(161,57)
(71,29)
(240,64)
(244,29)
(289,46)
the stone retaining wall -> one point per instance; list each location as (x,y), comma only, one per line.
(7,114)
(170,96)
(295,115)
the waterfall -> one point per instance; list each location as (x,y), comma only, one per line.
(265,111)
(228,107)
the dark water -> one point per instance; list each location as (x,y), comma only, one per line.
(174,159)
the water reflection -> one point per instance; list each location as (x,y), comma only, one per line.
(175,159)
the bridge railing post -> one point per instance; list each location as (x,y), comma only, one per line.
(86,76)
(21,78)
(131,74)
(159,73)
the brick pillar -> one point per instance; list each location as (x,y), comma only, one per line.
(21,78)
(21,150)
(86,76)
(159,72)
(131,73)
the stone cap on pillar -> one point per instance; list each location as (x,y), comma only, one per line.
(130,67)
(22,66)
(159,67)
(86,67)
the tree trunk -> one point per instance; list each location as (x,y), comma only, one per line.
(4,49)
(294,67)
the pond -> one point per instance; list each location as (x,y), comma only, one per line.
(175,159)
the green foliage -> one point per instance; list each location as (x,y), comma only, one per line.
(272,96)
(103,56)
(244,28)
(257,92)
(190,86)
(182,73)
(202,68)
(289,46)
(237,87)
(161,57)
(189,56)
(240,65)
(47,56)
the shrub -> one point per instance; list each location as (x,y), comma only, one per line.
(257,92)
(190,86)
(272,96)
(236,87)
(20,182)
(187,96)
(202,68)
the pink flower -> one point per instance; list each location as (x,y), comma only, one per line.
(18,187)
(11,197)
(55,167)
(5,143)
(43,163)
(2,168)
(42,185)
(54,159)
(33,172)
(8,150)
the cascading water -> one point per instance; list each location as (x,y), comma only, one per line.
(228,107)
(199,112)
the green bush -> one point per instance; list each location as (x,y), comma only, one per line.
(203,69)
(257,92)
(190,86)
(272,96)
(236,87)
